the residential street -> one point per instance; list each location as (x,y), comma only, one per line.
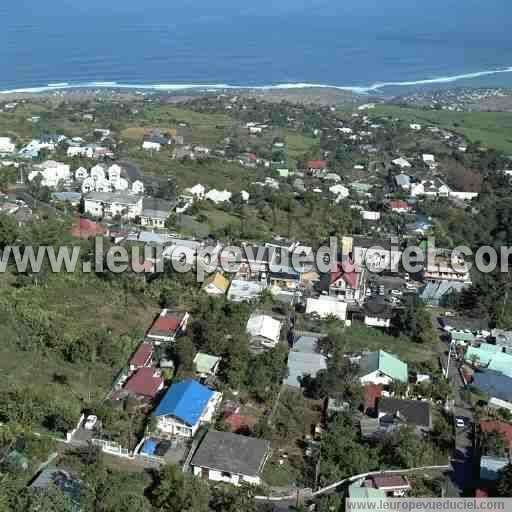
(462,460)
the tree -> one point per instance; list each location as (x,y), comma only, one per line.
(177,492)
(493,443)
(504,483)
(415,321)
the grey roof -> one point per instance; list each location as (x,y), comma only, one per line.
(113,197)
(490,467)
(435,291)
(232,453)
(403,180)
(503,338)
(62,480)
(494,383)
(414,412)
(304,359)
(368,243)
(157,205)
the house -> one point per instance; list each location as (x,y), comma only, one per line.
(155,212)
(394,486)
(218,196)
(242,290)
(430,160)
(255,262)
(340,192)
(378,314)
(185,407)
(206,365)
(142,357)
(491,466)
(501,427)
(62,480)
(399,206)
(316,167)
(416,413)
(85,229)
(442,269)
(167,326)
(382,368)
(369,215)
(196,192)
(155,142)
(376,255)
(494,384)
(230,458)
(371,395)
(403,181)
(402,163)
(6,146)
(304,359)
(216,284)
(358,492)
(51,173)
(326,307)
(346,283)
(264,330)
(502,339)
(113,204)
(286,278)
(145,382)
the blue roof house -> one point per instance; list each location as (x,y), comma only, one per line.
(185,407)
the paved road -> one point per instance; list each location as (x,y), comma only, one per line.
(462,459)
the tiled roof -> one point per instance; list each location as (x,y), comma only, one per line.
(142,354)
(144,382)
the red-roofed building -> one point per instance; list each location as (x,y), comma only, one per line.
(392,485)
(346,283)
(145,382)
(167,326)
(316,167)
(505,429)
(85,228)
(239,423)
(142,357)
(399,206)
(371,394)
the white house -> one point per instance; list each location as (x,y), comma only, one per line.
(185,407)
(196,192)
(81,174)
(339,191)
(51,172)
(430,160)
(369,215)
(402,163)
(106,204)
(6,145)
(381,368)
(415,127)
(264,329)
(138,187)
(151,145)
(231,458)
(218,196)
(326,306)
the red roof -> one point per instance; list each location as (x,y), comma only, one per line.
(498,426)
(165,324)
(389,482)
(398,204)
(371,393)
(86,228)
(346,271)
(317,164)
(481,493)
(142,356)
(238,422)
(144,382)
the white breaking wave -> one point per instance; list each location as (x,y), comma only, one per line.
(182,87)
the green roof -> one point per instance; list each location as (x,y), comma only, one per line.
(502,363)
(482,356)
(386,363)
(205,363)
(462,336)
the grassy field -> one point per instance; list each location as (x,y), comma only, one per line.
(492,129)
(358,338)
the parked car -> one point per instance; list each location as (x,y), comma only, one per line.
(410,286)
(90,422)
(460,422)
(396,293)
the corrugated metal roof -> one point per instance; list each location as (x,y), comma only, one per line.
(185,400)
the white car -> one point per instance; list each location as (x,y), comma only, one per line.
(460,423)
(90,422)
(410,286)
(396,293)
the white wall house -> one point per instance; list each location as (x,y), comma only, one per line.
(151,146)
(6,145)
(51,172)
(185,407)
(231,458)
(106,204)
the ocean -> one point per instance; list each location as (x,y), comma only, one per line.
(384,46)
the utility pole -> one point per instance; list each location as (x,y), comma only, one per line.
(448,362)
